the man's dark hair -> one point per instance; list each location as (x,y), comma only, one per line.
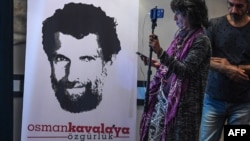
(195,10)
(79,20)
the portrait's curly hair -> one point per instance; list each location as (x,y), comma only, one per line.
(195,10)
(79,20)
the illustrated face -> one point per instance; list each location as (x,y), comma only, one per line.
(77,73)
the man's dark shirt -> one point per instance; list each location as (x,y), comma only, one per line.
(232,43)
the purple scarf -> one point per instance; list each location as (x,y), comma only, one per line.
(177,87)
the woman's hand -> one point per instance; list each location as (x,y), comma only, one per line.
(155,44)
(154,62)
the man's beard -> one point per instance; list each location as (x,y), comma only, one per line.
(236,17)
(86,101)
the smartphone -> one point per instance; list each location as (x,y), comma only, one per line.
(142,55)
(156,13)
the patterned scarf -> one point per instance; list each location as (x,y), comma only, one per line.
(177,86)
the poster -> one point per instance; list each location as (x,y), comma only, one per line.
(80,70)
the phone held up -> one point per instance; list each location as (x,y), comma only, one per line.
(142,55)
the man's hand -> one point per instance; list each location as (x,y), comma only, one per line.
(246,68)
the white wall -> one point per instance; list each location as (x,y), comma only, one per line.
(165,30)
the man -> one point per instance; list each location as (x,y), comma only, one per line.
(227,96)
(80,41)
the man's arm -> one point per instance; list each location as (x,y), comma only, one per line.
(222,65)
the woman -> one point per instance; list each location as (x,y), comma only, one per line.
(174,103)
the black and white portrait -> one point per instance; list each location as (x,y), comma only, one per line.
(80,41)
(80,68)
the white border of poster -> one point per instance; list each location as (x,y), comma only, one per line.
(115,118)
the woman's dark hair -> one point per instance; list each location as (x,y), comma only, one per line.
(195,10)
